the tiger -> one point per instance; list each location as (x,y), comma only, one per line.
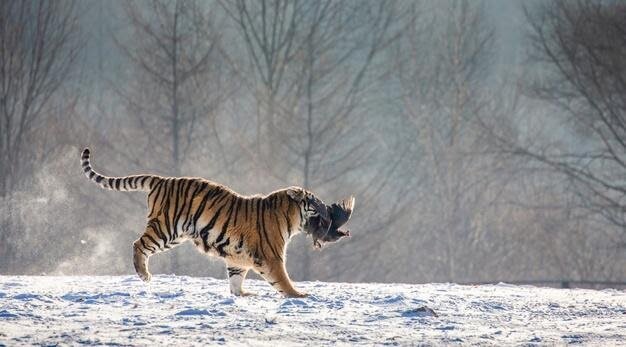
(247,232)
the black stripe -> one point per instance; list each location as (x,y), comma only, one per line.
(280,232)
(91,174)
(110,182)
(201,206)
(169,188)
(272,248)
(178,185)
(196,191)
(163,233)
(146,247)
(219,199)
(189,201)
(258,226)
(233,271)
(237,209)
(153,190)
(99,178)
(255,257)
(288,223)
(117,183)
(274,251)
(220,248)
(182,197)
(153,240)
(142,252)
(156,226)
(225,225)
(87,169)
(160,187)
(204,233)
(216,201)
(143,180)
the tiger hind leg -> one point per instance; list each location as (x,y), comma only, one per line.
(140,260)
(236,275)
(154,240)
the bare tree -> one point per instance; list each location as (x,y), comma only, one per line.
(566,144)
(445,94)
(314,62)
(268,31)
(578,47)
(177,87)
(177,84)
(39,43)
(336,65)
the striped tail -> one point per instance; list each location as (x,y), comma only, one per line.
(124,184)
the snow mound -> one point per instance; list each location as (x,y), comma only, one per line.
(200,311)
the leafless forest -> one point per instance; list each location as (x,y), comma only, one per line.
(483,141)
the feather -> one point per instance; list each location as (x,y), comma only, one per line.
(339,214)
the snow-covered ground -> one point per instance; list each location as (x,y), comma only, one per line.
(200,311)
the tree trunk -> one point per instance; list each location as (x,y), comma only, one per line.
(175,262)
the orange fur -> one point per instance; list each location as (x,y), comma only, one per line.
(248,232)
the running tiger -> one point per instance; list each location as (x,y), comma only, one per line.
(248,232)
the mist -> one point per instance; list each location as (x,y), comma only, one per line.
(483,141)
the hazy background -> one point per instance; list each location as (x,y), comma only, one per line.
(484,141)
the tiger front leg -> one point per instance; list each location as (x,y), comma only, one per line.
(276,275)
(236,275)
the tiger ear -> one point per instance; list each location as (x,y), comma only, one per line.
(296,193)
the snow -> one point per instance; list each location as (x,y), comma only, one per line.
(200,311)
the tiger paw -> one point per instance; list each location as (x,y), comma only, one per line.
(296,295)
(146,277)
(243,293)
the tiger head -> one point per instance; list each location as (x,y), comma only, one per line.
(320,221)
(310,205)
